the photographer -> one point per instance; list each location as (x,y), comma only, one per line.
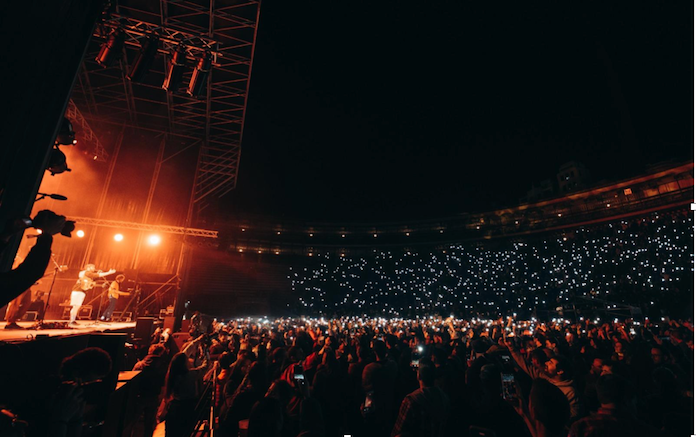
(16,281)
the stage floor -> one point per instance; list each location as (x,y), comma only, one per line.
(82,327)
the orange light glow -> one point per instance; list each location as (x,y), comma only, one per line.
(154,240)
(118,237)
(80,233)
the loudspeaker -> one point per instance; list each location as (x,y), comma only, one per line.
(119,316)
(85,312)
(144,328)
(30,316)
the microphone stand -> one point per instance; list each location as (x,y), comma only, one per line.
(56,269)
(101,301)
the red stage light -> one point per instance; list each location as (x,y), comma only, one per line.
(118,237)
(80,233)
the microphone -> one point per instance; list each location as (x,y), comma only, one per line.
(52,196)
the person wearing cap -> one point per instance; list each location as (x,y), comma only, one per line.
(114,293)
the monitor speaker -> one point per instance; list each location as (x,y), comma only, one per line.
(144,327)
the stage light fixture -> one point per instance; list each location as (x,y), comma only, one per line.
(200,75)
(57,162)
(66,134)
(175,71)
(154,240)
(118,237)
(144,58)
(80,233)
(112,49)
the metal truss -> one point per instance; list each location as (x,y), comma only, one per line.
(86,133)
(226,28)
(180,230)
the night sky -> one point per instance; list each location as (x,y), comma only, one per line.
(373,111)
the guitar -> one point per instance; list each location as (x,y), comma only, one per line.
(86,283)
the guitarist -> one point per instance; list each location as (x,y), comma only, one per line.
(85,282)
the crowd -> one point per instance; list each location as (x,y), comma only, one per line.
(427,377)
(645,262)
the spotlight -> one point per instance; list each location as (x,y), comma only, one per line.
(66,134)
(118,237)
(80,233)
(154,240)
(143,60)
(57,162)
(112,49)
(175,71)
(200,75)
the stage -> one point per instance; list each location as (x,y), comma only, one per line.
(82,327)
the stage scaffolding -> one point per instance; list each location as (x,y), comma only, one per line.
(214,122)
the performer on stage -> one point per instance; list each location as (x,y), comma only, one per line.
(84,283)
(114,293)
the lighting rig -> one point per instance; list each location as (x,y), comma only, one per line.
(181,48)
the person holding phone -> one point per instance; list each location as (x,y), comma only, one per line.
(558,371)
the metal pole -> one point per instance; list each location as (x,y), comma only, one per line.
(150,196)
(105,191)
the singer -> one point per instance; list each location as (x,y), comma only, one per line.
(85,282)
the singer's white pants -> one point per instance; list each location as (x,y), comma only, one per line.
(76,299)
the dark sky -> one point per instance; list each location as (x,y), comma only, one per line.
(398,110)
